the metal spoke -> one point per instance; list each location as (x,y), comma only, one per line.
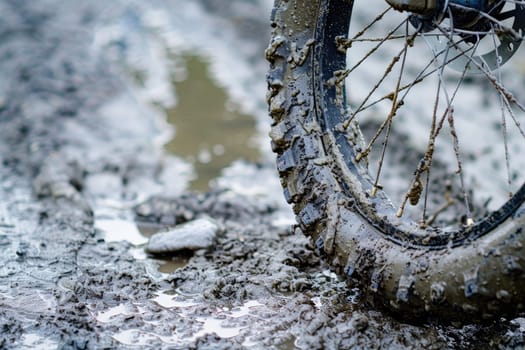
(503,122)
(387,72)
(393,110)
(456,53)
(395,104)
(426,163)
(369,25)
(374,49)
(419,78)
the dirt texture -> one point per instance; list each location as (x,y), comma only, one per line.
(72,133)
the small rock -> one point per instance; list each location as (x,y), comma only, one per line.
(194,235)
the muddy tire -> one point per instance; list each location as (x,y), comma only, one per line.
(476,274)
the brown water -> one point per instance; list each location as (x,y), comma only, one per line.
(210,132)
(169,265)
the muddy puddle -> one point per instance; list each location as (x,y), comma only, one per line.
(214,137)
(210,131)
(225,322)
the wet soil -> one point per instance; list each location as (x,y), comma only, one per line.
(79,146)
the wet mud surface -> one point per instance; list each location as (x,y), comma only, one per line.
(80,147)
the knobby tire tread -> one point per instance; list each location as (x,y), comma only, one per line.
(479,280)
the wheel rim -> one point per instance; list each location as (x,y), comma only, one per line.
(373,203)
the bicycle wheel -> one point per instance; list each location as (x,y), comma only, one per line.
(426,225)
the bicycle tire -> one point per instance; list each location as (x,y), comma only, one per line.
(476,276)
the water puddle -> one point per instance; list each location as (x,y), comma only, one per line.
(35,341)
(170,299)
(120,227)
(170,265)
(111,313)
(199,320)
(210,132)
(116,230)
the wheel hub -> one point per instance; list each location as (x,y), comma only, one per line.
(472,20)
(464,14)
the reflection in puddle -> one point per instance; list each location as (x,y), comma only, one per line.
(135,337)
(116,230)
(109,314)
(215,325)
(170,265)
(168,299)
(209,131)
(35,341)
(223,322)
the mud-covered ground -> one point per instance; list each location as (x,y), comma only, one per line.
(82,158)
